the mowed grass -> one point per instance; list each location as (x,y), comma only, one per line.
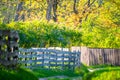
(78,71)
(17,74)
(49,72)
(109,73)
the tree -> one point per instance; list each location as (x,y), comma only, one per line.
(19,9)
(52,7)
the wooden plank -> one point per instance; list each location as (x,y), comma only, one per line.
(45,50)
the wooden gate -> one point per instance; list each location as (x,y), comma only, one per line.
(49,58)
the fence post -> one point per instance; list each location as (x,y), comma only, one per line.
(62,61)
(43,60)
(9,48)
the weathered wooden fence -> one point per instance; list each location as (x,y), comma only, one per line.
(49,58)
(8,47)
(94,56)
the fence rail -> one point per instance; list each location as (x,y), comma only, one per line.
(49,58)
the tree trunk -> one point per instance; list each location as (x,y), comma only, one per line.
(49,9)
(88,3)
(74,7)
(19,9)
(55,10)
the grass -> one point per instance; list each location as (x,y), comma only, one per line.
(101,66)
(26,74)
(78,71)
(48,73)
(81,70)
(69,78)
(18,74)
(108,73)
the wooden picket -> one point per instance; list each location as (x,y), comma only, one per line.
(98,56)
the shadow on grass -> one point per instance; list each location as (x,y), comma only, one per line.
(17,74)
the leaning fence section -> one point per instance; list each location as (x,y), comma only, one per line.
(49,58)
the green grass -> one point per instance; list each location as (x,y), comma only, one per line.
(78,71)
(81,70)
(111,73)
(48,73)
(18,74)
(59,79)
(102,66)
(69,78)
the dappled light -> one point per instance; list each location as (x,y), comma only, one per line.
(59,39)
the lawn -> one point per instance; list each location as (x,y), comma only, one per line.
(16,74)
(105,73)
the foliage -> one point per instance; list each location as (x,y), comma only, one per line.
(16,74)
(94,24)
(67,13)
(106,73)
(37,34)
(100,36)
(81,70)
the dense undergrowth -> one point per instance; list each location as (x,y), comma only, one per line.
(39,34)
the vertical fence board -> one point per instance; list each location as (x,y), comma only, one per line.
(94,56)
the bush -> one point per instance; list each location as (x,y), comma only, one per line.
(37,34)
(81,70)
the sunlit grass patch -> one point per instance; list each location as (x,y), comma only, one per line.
(110,73)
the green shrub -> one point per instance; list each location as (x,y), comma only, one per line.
(37,34)
(81,70)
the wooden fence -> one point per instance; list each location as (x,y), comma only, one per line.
(94,56)
(8,47)
(49,58)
